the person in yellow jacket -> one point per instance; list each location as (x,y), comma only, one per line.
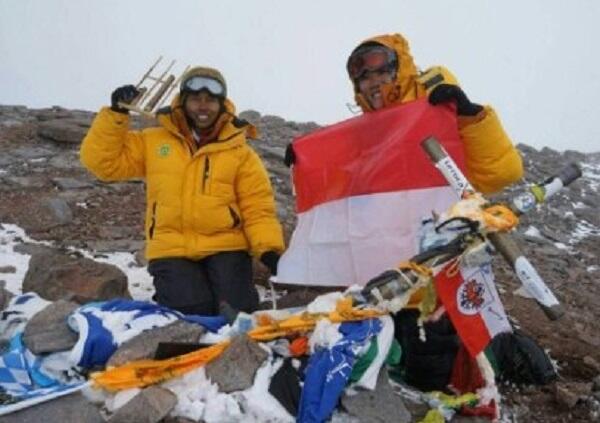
(383,74)
(210,205)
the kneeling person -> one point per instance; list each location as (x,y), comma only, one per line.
(210,205)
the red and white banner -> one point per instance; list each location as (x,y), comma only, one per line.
(363,187)
(473,304)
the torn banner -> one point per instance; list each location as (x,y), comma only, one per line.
(363,186)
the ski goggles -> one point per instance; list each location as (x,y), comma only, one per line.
(371,59)
(199,83)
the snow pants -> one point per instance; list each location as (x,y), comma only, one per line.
(200,286)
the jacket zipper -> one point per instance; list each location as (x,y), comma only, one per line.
(153,221)
(206,173)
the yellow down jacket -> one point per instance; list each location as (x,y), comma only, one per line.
(218,198)
(492,162)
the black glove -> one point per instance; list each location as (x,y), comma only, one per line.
(270,259)
(125,94)
(444,93)
(290,157)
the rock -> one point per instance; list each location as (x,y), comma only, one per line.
(29,153)
(70,408)
(59,210)
(67,160)
(144,345)
(596,384)
(69,131)
(48,331)
(70,183)
(590,361)
(54,275)
(151,405)
(110,246)
(234,370)
(26,181)
(568,394)
(5,295)
(8,269)
(381,405)
(252,116)
(276,153)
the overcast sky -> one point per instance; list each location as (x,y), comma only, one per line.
(536,61)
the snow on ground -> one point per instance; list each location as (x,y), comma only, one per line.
(591,172)
(534,232)
(10,236)
(140,282)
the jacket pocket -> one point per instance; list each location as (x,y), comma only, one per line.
(235,217)
(211,215)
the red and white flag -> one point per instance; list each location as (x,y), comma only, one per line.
(473,304)
(363,187)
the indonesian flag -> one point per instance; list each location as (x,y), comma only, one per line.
(363,187)
(472,302)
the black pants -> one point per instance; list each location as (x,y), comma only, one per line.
(198,287)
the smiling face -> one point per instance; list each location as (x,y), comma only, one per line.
(202,109)
(370,84)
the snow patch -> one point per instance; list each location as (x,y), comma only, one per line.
(139,280)
(534,232)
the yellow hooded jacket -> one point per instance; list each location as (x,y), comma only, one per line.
(199,202)
(492,162)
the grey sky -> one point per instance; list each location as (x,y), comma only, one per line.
(536,61)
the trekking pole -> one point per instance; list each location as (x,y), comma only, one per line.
(502,241)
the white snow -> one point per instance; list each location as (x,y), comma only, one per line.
(199,399)
(533,231)
(10,236)
(140,282)
(592,173)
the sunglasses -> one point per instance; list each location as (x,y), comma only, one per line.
(371,59)
(199,83)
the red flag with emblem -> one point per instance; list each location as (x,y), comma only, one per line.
(473,304)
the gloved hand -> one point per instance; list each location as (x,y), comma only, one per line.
(444,93)
(290,157)
(125,94)
(270,259)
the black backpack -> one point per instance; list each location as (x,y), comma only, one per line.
(521,360)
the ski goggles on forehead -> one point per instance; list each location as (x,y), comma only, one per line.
(370,59)
(199,83)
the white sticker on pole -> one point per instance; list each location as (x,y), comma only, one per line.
(453,175)
(533,282)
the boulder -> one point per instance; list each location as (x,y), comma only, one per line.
(55,275)
(70,131)
(48,331)
(59,212)
(381,405)
(150,405)
(70,408)
(234,370)
(144,345)
(5,295)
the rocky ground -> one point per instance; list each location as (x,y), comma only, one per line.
(45,190)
